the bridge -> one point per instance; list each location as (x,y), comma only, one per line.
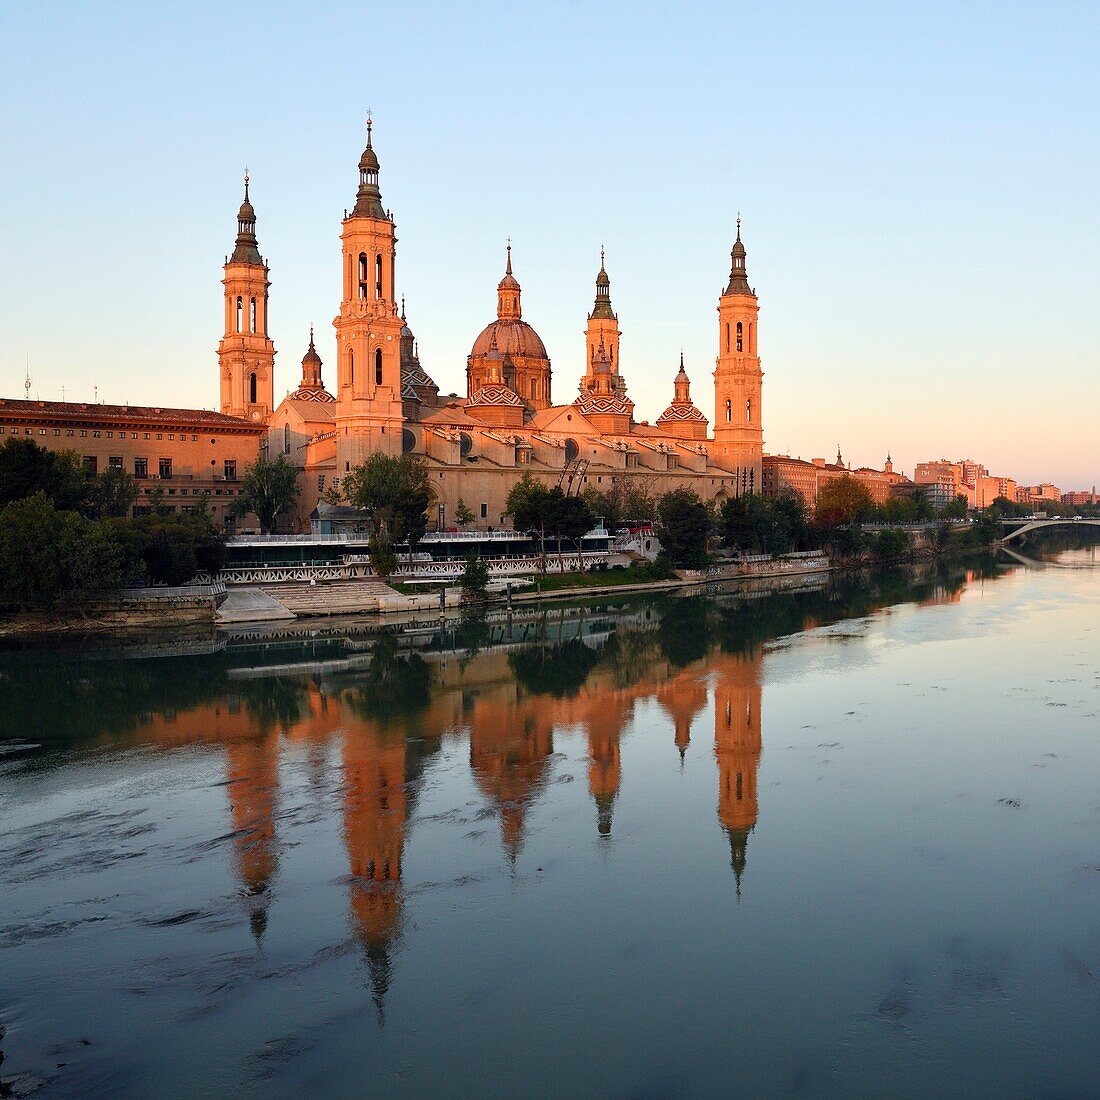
(1040,524)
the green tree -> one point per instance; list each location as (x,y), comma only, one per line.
(955,509)
(986,528)
(842,501)
(570,519)
(269,489)
(475,579)
(26,469)
(394,492)
(111,493)
(765,525)
(463,514)
(382,558)
(891,544)
(683,525)
(530,508)
(50,557)
(628,500)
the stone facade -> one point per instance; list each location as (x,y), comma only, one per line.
(185,453)
(476,447)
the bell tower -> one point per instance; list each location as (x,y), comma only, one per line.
(368,328)
(603,329)
(246,355)
(738,379)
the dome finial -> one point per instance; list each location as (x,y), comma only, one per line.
(402,307)
(508,266)
(681,359)
(738,224)
(370,124)
(246,183)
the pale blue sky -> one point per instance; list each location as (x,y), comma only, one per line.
(918,185)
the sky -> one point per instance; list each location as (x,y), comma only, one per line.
(917,182)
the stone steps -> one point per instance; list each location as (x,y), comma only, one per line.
(331,599)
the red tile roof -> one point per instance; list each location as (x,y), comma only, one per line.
(131,414)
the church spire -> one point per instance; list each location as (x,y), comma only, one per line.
(246,250)
(602,308)
(739,282)
(508,292)
(368,200)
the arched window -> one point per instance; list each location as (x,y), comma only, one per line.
(364,275)
(240,313)
(378,276)
(727,336)
(752,338)
(748,411)
(532,387)
(252,388)
(729,411)
(378,367)
(351,367)
(252,315)
(739,340)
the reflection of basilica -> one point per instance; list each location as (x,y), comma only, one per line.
(511,720)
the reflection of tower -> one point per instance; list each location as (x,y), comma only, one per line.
(375,814)
(605,726)
(253,774)
(682,699)
(510,763)
(737,748)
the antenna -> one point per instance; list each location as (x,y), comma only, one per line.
(27,378)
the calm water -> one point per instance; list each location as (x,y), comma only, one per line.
(843,841)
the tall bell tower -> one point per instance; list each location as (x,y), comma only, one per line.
(246,355)
(602,330)
(368,328)
(738,379)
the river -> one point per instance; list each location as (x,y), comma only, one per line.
(842,840)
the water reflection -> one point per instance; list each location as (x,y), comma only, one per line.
(497,708)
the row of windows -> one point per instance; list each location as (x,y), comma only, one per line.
(194,492)
(141,466)
(97,433)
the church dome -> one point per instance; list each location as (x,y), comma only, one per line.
(512,337)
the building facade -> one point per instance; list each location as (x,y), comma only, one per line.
(508,423)
(176,456)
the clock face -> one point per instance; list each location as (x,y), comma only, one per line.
(255,414)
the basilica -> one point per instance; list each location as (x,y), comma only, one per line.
(380,397)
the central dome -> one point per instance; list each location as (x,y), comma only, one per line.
(512,337)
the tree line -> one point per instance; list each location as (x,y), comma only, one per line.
(66,537)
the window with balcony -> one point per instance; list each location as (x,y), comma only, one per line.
(141,467)
(165,467)
(229,470)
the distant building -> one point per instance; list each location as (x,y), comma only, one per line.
(781,472)
(1077,498)
(183,453)
(1046,493)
